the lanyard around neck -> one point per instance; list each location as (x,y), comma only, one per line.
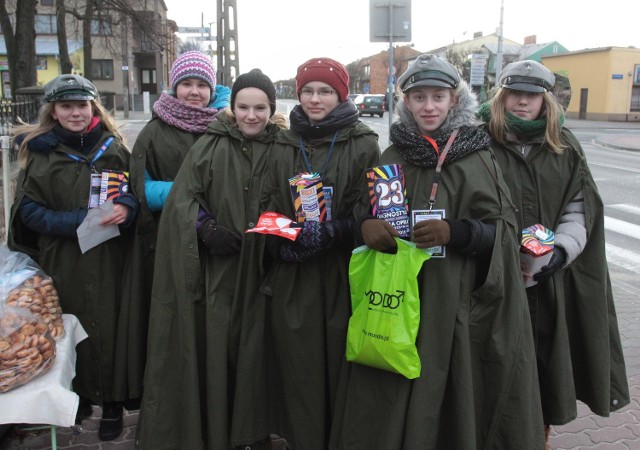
(97,156)
(436,175)
(326,161)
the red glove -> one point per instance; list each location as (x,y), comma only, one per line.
(431,233)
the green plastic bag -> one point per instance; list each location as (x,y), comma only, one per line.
(386,308)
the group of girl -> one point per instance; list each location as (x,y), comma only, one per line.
(237,337)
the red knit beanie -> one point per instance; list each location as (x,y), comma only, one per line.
(326,70)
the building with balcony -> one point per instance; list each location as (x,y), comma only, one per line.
(131,51)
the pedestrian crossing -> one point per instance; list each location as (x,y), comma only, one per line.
(623,236)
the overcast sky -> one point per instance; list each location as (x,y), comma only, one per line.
(277,36)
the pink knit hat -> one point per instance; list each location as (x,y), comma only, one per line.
(326,70)
(193,64)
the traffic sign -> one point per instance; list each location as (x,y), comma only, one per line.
(204,38)
(380,12)
(478,69)
(193,30)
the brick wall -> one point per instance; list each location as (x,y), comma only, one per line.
(379,66)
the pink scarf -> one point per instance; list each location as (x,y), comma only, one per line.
(182,116)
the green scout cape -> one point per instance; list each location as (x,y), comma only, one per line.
(90,285)
(196,296)
(573,314)
(310,301)
(160,149)
(478,387)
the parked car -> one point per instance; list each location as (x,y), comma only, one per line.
(353,96)
(371,104)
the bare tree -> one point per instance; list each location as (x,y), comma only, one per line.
(87,45)
(65,62)
(103,20)
(459,58)
(21,43)
(190,44)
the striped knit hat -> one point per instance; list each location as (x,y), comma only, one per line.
(193,64)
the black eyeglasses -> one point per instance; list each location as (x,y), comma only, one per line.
(322,92)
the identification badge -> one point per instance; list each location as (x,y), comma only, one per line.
(419,215)
(94,193)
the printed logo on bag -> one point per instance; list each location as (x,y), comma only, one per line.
(375,336)
(385,300)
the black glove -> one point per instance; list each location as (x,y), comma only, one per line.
(340,232)
(314,235)
(325,235)
(218,239)
(315,238)
(556,262)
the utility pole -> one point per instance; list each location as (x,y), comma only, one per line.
(227,43)
(392,67)
(211,52)
(125,67)
(390,20)
(498,63)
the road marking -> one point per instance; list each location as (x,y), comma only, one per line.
(626,208)
(623,258)
(610,166)
(622,227)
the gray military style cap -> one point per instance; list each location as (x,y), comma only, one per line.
(69,87)
(529,76)
(429,70)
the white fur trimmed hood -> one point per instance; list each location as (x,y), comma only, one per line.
(463,113)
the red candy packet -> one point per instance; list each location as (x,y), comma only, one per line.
(273,223)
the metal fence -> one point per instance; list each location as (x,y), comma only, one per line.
(24,108)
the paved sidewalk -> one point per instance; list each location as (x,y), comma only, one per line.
(133,115)
(620,431)
(624,142)
(82,437)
